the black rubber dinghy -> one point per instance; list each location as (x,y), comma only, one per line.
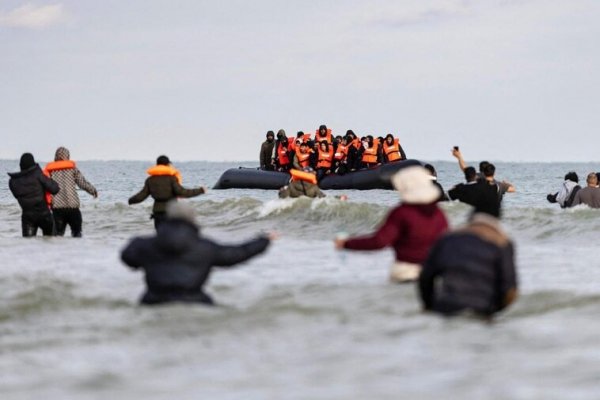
(373,178)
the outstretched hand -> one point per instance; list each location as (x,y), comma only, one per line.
(339,243)
(273,235)
(456,153)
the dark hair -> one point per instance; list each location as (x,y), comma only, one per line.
(349,138)
(572,176)
(322,127)
(351,132)
(470,174)
(389,135)
(310,143)
(325,143)
(303,144)
(489,170)
(27,161)
(300,133)
(163,160)
(482,166)
(431,169)
(271,133)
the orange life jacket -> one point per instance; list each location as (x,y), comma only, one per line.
(356,143)
(341,152)
(392,151)
(56,166)
(370,154)
(325,158)
(282,154)
(328,137)
(303,158)
(160,170)
(298,175)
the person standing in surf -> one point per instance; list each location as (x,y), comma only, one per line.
(411,228)
(163,184)
(471,269)
(177,261)
(30,186)
(65,204)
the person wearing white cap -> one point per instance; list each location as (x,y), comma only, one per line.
(411,228)
(177,260)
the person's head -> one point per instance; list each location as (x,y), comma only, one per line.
(303,147)
(338,138)
(298,142)
(346,140)
(27,161)
(415,185)
(322,130)
(470,174)
(380,139)
(572,176)
(431,169)
(270,136)
(351,133)
(281,134)
(389,138)
(598,176)
(163,160)
(61,154)
(324,145)
(482,166)
(300,134)
(181,211)
(592,179)
(489,170)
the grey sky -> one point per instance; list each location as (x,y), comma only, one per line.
(204,80)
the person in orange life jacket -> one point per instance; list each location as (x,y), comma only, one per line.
(368,153)
(324,159)
(392,150)
(323,134)
(266,151)
(65,204)
(163,185)
(282,152)
(302,183)
(411,228)
(340,157)
(304,137)
(433,175)
(30,186)
(301,157)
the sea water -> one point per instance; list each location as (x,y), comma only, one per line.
(301,321)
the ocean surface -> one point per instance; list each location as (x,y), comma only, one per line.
(302,321)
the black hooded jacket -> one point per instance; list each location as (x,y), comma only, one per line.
(177,261)
(29,187)
(471,269)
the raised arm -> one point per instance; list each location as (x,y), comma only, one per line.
(229,255)
(384,236)
(461,162)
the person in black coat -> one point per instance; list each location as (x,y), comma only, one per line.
(177,260)
(471,269)
(29,186)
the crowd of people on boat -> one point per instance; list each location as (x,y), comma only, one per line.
(327,153)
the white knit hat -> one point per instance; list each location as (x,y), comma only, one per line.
(415,185)
(181,210)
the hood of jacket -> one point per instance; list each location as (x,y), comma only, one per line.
(62,153)
(175,236)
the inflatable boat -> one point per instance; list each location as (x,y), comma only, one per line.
(373,178)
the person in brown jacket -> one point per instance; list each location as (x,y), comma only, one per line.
(163,184)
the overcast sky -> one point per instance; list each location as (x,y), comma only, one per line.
(512,80)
